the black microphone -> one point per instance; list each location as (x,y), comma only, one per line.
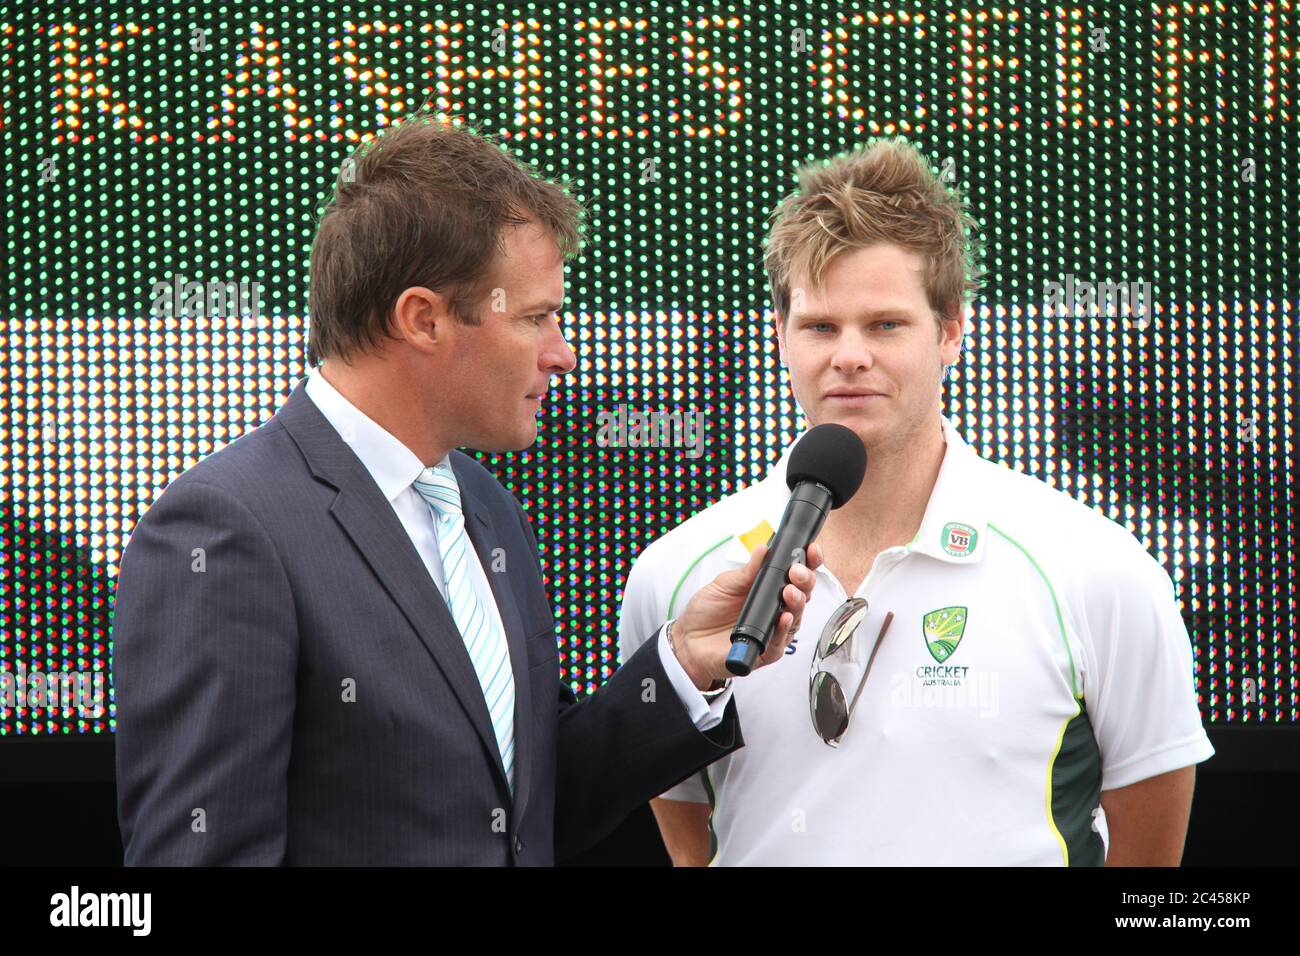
(825,470)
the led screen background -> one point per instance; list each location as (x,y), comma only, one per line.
(1130,143)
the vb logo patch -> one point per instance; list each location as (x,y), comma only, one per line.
(958,539)
(942,630)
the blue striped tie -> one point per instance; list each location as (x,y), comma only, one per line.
(483,637)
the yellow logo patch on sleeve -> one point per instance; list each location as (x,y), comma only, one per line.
(759,534)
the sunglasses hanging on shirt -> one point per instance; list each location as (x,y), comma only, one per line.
(826,699)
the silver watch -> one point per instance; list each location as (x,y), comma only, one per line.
(708,694)
(711,694)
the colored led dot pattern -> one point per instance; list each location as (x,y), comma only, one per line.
(1128,143)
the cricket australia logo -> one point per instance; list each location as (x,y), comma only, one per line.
(942,630)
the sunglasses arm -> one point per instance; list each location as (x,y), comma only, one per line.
(871,660)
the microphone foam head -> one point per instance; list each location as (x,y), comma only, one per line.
(832,455)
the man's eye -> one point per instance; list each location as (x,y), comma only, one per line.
(541,316)
(820,325)
(888,323)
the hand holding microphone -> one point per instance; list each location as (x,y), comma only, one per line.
(825,470)
(743,619)
(701,637)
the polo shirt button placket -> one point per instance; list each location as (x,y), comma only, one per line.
(885,562)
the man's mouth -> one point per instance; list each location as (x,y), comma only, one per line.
(853,396)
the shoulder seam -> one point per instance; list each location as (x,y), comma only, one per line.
(1056,605)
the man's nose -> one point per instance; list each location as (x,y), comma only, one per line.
(560,359)
(852,352)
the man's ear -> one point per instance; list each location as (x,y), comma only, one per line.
(952,327)
(779,321)
(421,318)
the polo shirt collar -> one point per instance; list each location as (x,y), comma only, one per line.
(954,528)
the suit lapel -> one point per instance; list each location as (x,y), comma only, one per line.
(369,520)
(483,533)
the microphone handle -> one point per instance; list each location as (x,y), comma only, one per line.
(805,513)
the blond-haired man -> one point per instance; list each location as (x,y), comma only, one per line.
(985,661)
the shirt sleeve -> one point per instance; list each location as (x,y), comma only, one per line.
(1139,688)
(641,616)
(705,713)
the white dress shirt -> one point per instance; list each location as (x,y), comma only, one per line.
(395,467)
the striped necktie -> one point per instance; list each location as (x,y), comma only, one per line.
(483,636)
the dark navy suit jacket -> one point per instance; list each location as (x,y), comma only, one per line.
(291,687)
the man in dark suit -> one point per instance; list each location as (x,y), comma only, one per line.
(332,643)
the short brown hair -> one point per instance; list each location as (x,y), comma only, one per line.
(423,203)
(883,192)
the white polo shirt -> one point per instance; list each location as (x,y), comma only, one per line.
(1036,657)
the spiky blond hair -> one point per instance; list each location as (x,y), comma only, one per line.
(882,192)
